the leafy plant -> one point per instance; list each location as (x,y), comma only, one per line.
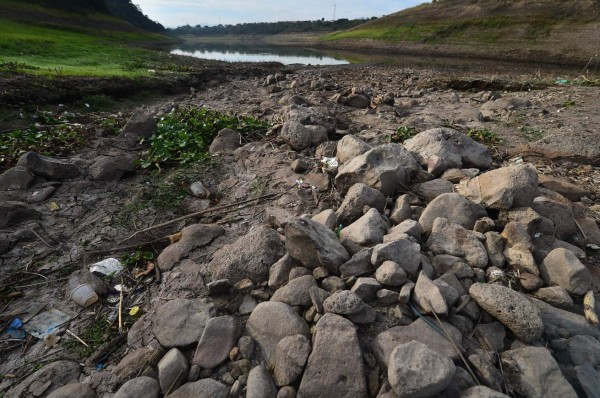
(403,133)
(484,136)
(137,258)
(569,103)
(112,125)
(184,135)
(531,133)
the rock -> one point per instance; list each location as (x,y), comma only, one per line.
(387,297)
(452,239)
(290,357)
(180,322)
(279,272)
(554,295)
(555,318)
(333,284)
(219,337)
(295,135)
(543,245)
(573,192)
(319,181)
(406,292)
(366,288)
(359,264)
(192,237)
(140,125)
(143,386)
(287,392)
(350,147)
(530,282)
(487,373)
(584,350)
(366,232)
(482,392)
(112,168)
(16,178)
(511,308)
(532,372)
(417,371)
(318,134)
(456,175)
(335,366)
(432,189)
(260,384)
(451,148)
(13,213)
(526,216)
(589,229)
(404,252)
(420,331)
(407,228)
(248,305)
(328,218)
(491,335)
(453,207)
(246,346)
(357,197)
(318,297)
(46,380)
(449,293)
(520,258)
(560,214)
(40,195)
(49,168)
(484,225)
(299,166)
(561,267)
(401,210)
(296,292)
(314,245)
(387,168)
(343,302)
(250,256)
(172,370)
(365,316)
(278,217)
(226,141)
(221,286)
(589,379)
(272,321)
(205,388)
(428,296)
(74,390)
(494,245)
(503,188)
(134,362)
(391,274)
(358,101)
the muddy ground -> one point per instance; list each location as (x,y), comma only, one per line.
(552,123)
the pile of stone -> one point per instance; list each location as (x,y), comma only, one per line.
(435,277)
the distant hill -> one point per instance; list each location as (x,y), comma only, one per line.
(535,27)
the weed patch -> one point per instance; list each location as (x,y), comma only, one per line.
(402,134)
(484,136)
(531,133)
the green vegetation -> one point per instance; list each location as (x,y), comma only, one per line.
(184,135)
(484,136)
(137,258)
(402,134)
(531,134)
(96,334)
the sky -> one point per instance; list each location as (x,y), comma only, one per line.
(173,13)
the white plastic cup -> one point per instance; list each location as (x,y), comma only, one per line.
(84,295)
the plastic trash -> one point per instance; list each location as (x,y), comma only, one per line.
(330,164)
(80,292)
(15,329)
(107,267)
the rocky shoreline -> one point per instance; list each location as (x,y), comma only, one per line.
(328,259)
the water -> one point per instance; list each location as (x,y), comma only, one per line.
(262,53)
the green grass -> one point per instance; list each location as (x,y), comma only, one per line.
(45,50)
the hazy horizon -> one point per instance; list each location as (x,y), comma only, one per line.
(173,13)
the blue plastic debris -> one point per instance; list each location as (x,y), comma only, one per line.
(14,329)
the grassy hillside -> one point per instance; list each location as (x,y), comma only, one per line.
(40,39)
(556,25)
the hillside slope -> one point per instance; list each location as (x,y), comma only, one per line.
(549,30)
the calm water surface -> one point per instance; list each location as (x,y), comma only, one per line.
(241,53)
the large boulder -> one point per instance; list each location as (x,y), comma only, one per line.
(49,168)
(503,188)
(290,357)
(226,141)
(16,178)
(314,245)
(388,168)
(260,384)
(560,214)
(192,236)
(295,135)
(562,268)
(555,319)
(141,124)
(357,197)
(112,168)
(453,207)
(172,370)
(452,239)
(218,338)
(205,388)
(143,386)
(350,147)
(180,322)
(443,148)
(250,256)
(46,380)
(335,366)
(13,213)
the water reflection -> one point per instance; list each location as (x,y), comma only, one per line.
(241,53)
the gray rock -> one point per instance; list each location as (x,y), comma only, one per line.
(226,141)
(350,147)
(343,302)
(40,195)
(366,232)
(532,372)
(314,245)
(401,210)
(277,217)
(491,336)
(205,388)
(280,271)
(46,380)
(449,293)
(286,392)
(328,218)
(250,256)
(296,292)
(333,284)
(272,321)
(555,318)
(49,168)
(140,125)
(180,322)
(482,392)
(318,297)
(366,288)
(487,373)
(561,267)
(318,134)
(555,295)
(416,371)
(221,286)
(260,384)
(494,245)
(406,292)
(359,264)
(13,213)
(137,360)
(589,379)
(503,188)
(16,178)
(74,390)
(403,252)
(290,357)
(248,305)
(453,207)
(143,386)
(543,245)
(387,168)
(560,214)
(219,337)
(511,308)
(428,296)
(295,135)
(409,227)
(335,366)
(112,168)
(246,346)
(172,370)
(584,350)
(387,297)
(358,101)
(391,274)
(365,316)
(358,196)
(433,189)
(443,148)
(448,238)
(192,237)
(419,330)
